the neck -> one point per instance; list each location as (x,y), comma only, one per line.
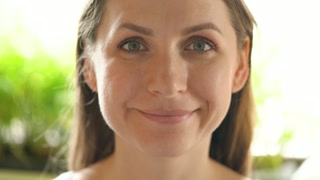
(130,163)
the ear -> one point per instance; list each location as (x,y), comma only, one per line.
(89,75)
(243,69)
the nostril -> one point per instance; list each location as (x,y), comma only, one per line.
(167,75)
(167,87)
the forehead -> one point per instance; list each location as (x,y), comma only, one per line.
(164,6)
(167,13)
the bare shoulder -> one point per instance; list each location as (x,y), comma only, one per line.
(99,170)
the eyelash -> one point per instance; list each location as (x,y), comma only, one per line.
(197,39)
(192,40)
(133,39)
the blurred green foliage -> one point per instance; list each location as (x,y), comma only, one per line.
(36,100)
(268,162)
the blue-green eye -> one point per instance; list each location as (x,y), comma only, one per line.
(132,46)
(200,46)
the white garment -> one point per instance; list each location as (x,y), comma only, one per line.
(309,170)
(64,176)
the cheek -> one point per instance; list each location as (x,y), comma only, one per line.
(214,86)
(213,80)
(116,86)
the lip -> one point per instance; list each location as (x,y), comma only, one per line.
(167,117)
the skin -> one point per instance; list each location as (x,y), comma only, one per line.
(164,72)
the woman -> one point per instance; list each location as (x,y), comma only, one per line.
(163,91)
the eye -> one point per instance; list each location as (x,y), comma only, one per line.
(132,45)
(200,45)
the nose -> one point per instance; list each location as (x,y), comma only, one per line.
(167,75)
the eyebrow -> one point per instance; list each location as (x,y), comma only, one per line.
(136,28)
(189,30)
(201,27)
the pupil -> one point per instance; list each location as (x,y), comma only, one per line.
(199,46)
(134,46)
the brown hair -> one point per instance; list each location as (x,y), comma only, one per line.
(92,140)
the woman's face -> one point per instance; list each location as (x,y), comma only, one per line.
(165,71)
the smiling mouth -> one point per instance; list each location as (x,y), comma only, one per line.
(167,117)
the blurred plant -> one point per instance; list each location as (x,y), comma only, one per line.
(268,90)
(272,162)
(36,101)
